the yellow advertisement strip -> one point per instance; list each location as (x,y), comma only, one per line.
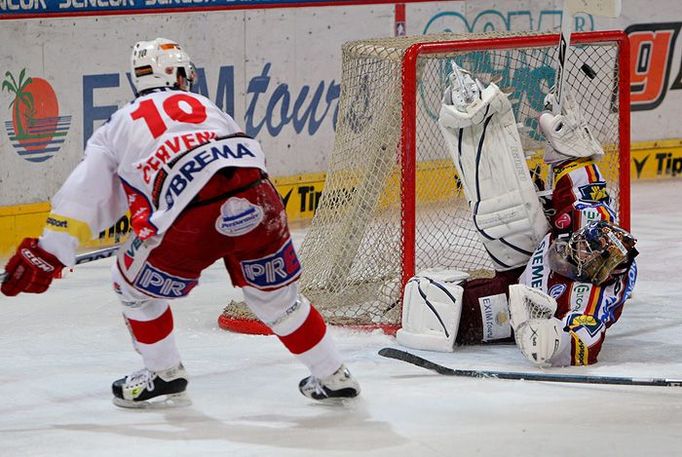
(301,194)
(17,222)
(656,160)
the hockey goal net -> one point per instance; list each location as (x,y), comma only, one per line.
(391,204)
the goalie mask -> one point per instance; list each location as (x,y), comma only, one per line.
(158,63)
(594,253)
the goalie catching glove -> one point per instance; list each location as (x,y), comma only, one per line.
(539,335)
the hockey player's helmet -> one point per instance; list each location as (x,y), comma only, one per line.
(157,63)
(595,253)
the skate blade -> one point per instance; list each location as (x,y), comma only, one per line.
(162,402)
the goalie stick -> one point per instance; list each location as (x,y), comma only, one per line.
(604,8)
(398,354)
(85,257)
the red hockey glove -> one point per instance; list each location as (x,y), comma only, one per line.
(31,269)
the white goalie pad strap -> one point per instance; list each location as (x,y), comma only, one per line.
(432,309)
(526,303)
(492,167)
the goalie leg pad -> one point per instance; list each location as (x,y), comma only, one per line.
(431,313)
(492,167)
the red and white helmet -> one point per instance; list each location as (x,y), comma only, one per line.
(157,63)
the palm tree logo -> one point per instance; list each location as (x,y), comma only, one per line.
(21,97)
(36,129)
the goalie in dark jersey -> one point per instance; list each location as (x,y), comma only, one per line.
(563,272)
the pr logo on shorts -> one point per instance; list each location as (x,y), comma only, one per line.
(161,284)
(273,271)
(238,216)
(36,129)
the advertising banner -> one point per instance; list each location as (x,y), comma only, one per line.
(274,66)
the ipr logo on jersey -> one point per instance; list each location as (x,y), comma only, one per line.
(36,129)
(238,216)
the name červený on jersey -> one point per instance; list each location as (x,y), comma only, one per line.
(204,161)
(170,148)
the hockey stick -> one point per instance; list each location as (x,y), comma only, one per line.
(604,8)
(85,257)
(393,353)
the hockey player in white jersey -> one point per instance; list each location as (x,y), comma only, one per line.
(561,281)
(198,191)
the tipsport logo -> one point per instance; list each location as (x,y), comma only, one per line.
(36,130)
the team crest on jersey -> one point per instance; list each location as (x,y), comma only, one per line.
(594,192)
(589,323)
(238,216)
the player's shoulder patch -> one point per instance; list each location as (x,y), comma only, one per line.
(594,192)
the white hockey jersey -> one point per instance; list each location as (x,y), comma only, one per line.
(151,157)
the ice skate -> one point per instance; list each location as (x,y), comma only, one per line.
(340,384)
(149,389)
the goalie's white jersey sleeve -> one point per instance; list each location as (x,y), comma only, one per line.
(151,157)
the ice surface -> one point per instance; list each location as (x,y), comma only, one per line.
(61,350)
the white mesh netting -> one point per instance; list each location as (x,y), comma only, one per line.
(353,255)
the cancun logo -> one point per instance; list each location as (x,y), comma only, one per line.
(36,130)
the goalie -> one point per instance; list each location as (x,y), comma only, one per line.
(564,268)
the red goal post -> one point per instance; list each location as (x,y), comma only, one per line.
(392,205)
